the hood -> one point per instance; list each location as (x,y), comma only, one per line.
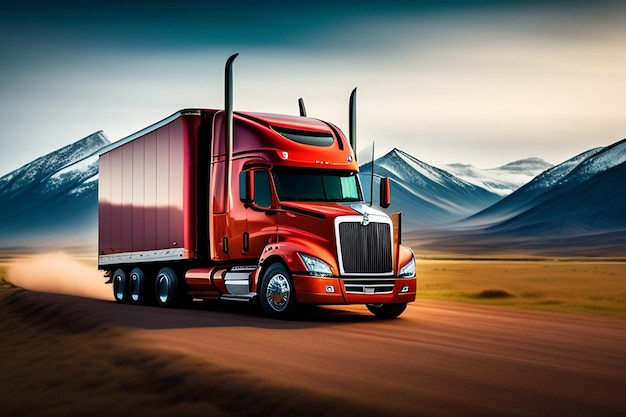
(322,210)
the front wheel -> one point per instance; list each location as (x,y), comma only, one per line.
(386,311)
(276,296)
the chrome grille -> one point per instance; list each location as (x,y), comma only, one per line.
(366,249)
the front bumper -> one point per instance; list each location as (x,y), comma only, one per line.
(354,290)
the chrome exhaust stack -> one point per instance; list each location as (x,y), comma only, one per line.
(352,121)
(301,106)
(228,127)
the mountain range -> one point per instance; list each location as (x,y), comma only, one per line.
(428,196)
(52,198)
(577,207)
(584,194)
(502,180)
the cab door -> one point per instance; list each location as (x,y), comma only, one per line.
(260,204)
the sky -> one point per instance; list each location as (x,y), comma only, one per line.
(476,82)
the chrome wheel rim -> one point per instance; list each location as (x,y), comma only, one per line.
(278,292)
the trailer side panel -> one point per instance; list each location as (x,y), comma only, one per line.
(147,195)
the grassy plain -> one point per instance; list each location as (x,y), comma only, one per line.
(595,287)
(571,285)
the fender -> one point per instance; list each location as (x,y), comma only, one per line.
(286,252)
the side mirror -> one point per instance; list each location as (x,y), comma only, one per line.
(246,187)
(385,192)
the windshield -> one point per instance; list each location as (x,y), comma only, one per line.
(310,185)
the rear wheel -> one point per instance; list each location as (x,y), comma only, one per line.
(120,286)
(386,311)
(167,288)
(276,296)
(137,286)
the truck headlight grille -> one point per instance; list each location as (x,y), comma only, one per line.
(365,249)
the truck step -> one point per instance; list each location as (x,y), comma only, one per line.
(240,297)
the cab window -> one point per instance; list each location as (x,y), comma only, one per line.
(262,189)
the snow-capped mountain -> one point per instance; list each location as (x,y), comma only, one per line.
(502,180)
(560,178)
(428,196)
(49,164)
(53,195)
(575,208)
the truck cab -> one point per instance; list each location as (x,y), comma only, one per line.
(304,223)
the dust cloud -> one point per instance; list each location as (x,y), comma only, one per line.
(59,273)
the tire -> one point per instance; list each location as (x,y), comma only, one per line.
(137,286)
(277,296)
(167,288)
(386,311)
(120,286)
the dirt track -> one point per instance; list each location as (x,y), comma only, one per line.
(438,359)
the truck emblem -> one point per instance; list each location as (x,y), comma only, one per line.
(366,219)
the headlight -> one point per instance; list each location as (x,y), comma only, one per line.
(316,266)
(408,270)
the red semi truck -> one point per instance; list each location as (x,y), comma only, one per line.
(248,207)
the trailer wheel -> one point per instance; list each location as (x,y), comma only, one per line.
(276,296)
(167,288)
(386,311)
(120,286)
(137,286)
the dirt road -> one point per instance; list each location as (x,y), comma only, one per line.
(438,359)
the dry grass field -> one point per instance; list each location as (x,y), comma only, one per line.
(565,285)
(570,285)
